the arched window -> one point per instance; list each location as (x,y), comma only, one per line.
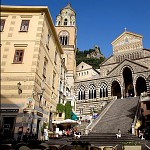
(64,37)
(65,22)
(81,93)
(92,92)
(103,90)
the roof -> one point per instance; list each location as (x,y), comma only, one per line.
(68,7)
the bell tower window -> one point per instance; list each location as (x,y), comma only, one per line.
(64,38)
(65,22)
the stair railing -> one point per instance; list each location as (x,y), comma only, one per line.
(92,124)
(136,117)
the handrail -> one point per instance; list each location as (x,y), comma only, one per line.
(135,118)
(147,146)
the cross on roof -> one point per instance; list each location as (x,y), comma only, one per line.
(125,29)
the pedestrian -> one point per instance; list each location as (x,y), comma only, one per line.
(118,134)
(46,134)
(26,136)
(141,135)
(20,133)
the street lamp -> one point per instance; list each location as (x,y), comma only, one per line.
(50,120)
(19,88)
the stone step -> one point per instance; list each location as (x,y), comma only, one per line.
(119,116)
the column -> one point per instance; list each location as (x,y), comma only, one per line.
(97,93)
(134,85)
(122,92)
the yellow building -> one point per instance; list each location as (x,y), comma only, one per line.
(31,60)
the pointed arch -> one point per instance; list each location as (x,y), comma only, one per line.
(128,81)
(141,85)
(81,92)
(115,89)
(103,90)
(92,91)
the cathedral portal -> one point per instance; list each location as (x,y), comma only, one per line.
(128,82)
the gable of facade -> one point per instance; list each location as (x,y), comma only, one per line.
(127,41)
(135,67)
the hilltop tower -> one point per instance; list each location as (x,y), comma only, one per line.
(67,31)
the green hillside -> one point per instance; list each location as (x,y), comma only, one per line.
(82,56)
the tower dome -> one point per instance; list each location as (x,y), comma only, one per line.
(67,17)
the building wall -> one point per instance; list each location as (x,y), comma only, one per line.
(29,73)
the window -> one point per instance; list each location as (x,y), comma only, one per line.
(92,92)
(44,67)
(61,70)
(48,39)
(2,24)
(55,59)
(53,82)
(65,22)
(18,57)
(81,93)
(103,90)
(24,25)
(60,114)
(63,38)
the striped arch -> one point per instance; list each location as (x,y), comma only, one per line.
(126,66)
(102,81)
(103,89)
(127,73)
(140,84)
(116,88)
(114,79)
(140,75)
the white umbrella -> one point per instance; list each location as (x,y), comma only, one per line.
(68,121)
(56,122)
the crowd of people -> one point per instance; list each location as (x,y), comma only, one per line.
(71,132)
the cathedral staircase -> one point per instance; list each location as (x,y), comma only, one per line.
(120,115)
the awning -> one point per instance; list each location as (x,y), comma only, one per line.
(74,116)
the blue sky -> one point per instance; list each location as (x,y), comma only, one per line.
(99,22)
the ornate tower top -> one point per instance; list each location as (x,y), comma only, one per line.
(67,17)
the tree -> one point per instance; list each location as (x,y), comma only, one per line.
(68,110)
(60,108)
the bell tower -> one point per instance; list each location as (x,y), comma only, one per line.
(66,30)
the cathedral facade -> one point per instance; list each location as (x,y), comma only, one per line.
(126,73)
